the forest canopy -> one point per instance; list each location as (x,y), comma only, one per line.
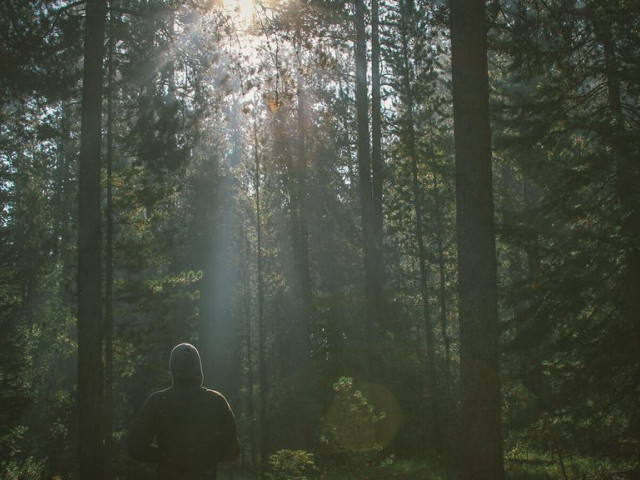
(404,235)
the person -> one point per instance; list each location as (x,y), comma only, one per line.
(185,429)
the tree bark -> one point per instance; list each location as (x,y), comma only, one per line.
(108,295)
(364,179)
(301,237)
(262,366)
(301,259)
(248,340)
(481,444)
(90,369)
(377,169)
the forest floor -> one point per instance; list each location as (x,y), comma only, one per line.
(531,467)
(545,467)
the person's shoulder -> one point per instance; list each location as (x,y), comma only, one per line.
(154,400)
(212,393)
(159,395)
(214,396)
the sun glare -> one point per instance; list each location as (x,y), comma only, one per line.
(241,11)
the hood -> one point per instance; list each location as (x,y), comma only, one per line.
(185,364)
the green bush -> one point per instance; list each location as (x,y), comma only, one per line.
(292,465)
(29,469)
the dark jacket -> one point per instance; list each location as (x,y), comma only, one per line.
(186,430)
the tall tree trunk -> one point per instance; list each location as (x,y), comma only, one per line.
(108,295)
(301,253)
(364,178)
(301,240)
(481,444)
(248,339)
(377,173)
(262,340)
(300,176)
(90,369)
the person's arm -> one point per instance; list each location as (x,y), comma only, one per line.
(230,445)
(139,443)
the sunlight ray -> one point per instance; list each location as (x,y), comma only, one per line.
(241,12)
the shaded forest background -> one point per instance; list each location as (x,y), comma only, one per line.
(277,186)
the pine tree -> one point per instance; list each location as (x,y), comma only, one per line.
(90,377)
(481,443)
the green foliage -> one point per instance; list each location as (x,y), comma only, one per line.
(29,469)
(566,124)
(39,49)
(350,426)
(292,465)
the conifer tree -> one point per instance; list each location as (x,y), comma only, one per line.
(481,442)
(90,378)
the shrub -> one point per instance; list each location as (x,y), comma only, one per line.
(292,465)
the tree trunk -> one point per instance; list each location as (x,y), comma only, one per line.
(301,259)
(262,367)
(364,178)
(248,339)
(90,370)
(108,295)
(301,239)
(481,443)
(377,172)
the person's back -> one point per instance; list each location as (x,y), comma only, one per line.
(193,427)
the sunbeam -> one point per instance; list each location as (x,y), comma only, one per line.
(241,12)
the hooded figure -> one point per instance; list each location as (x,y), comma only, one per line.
(186,429)
(185,364)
